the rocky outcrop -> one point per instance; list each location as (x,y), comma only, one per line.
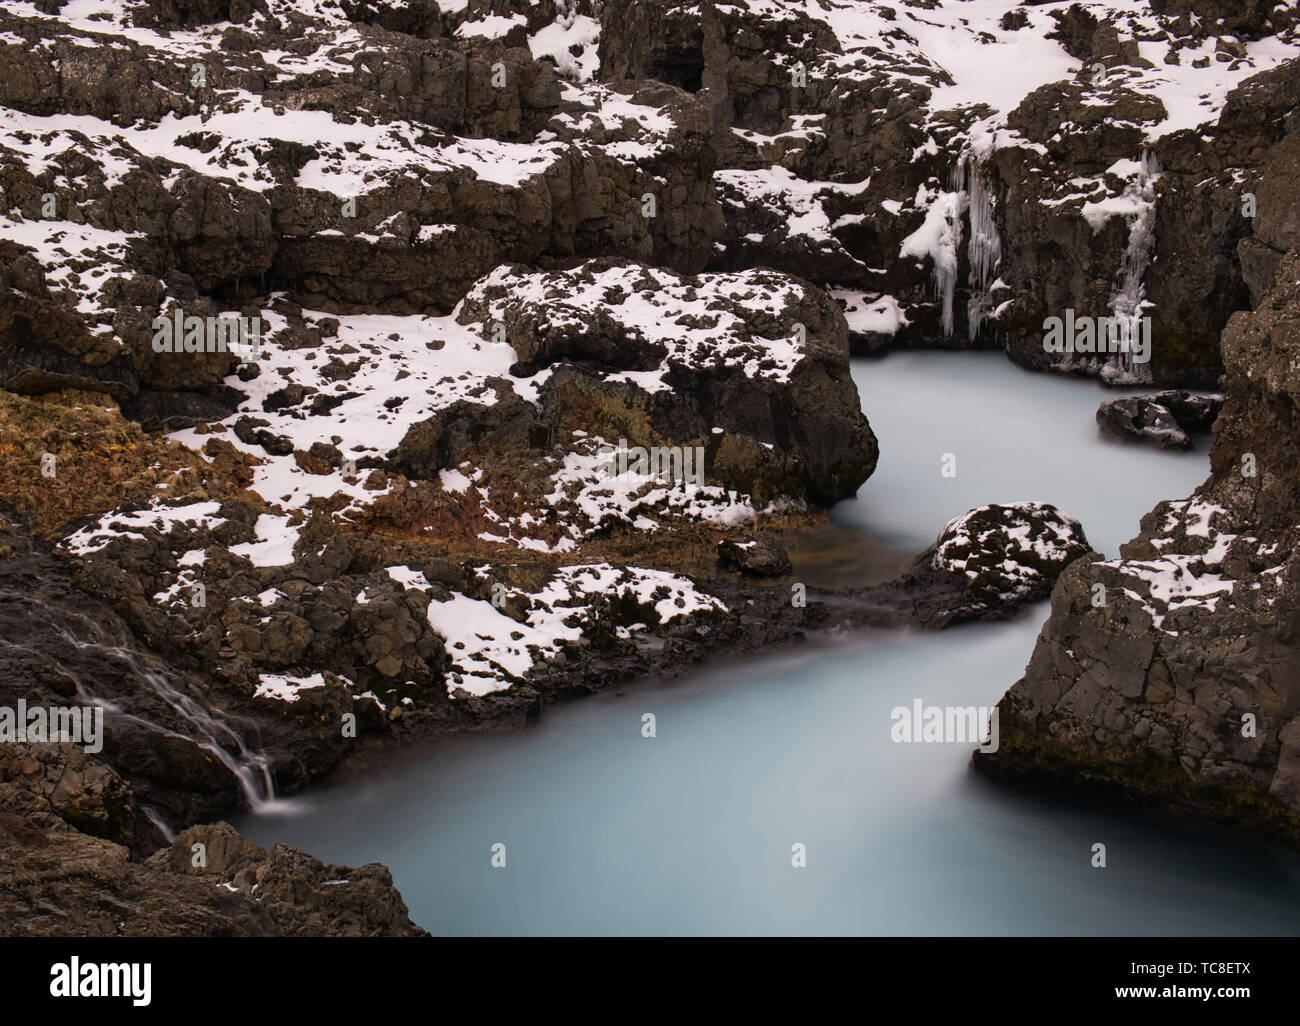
(1277,218)
(758,557)
(1172,672)
(1088,193)
(1167,419)
(984,565)
(752,369)
(209,883)
(458,155)
(553,370)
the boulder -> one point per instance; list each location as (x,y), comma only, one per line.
(757,557)
(1167,419)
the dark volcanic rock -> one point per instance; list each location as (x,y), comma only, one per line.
(758,365)
(55,880)
(759,557)
(1166,418)
(1173,672)
(1277,221)
(985,565)
(171,411)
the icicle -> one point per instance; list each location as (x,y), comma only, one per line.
(1129,300)
(940,239)
(984,250)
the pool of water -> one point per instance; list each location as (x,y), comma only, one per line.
(694,831)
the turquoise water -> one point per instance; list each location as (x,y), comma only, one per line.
(692,831)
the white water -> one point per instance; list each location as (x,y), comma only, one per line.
(213,731)
(1128,302)
(608,832)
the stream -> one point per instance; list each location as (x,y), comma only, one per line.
(692,831)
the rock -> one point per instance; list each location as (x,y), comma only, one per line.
(1276,226)
(986,564)
(758,557)
(995,558)
(201,12)
(172,411)
(89,887)
(1181,685)
(1165,419)
(764,388)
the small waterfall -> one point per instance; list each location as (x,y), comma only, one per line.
(213,731)
(984,250)
(1129,298)
(153,816)
(210,731)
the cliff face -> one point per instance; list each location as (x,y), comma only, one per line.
(1174,671)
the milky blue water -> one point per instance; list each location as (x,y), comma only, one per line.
(693,831)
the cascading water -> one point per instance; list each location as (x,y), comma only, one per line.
(212,731)
(251,768)
(1128,301)
(156,819)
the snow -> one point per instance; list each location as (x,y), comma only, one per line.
(593,498)
(798,200)
(1172,583)
(274,545)
(870,313)
(285,688)
(387,346)
(1033,527)
(483,654)
(557,42)
(408,578)
(490,651)
(117,524)
(493,26)
(699,322)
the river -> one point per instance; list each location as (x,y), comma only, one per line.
(692,831)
